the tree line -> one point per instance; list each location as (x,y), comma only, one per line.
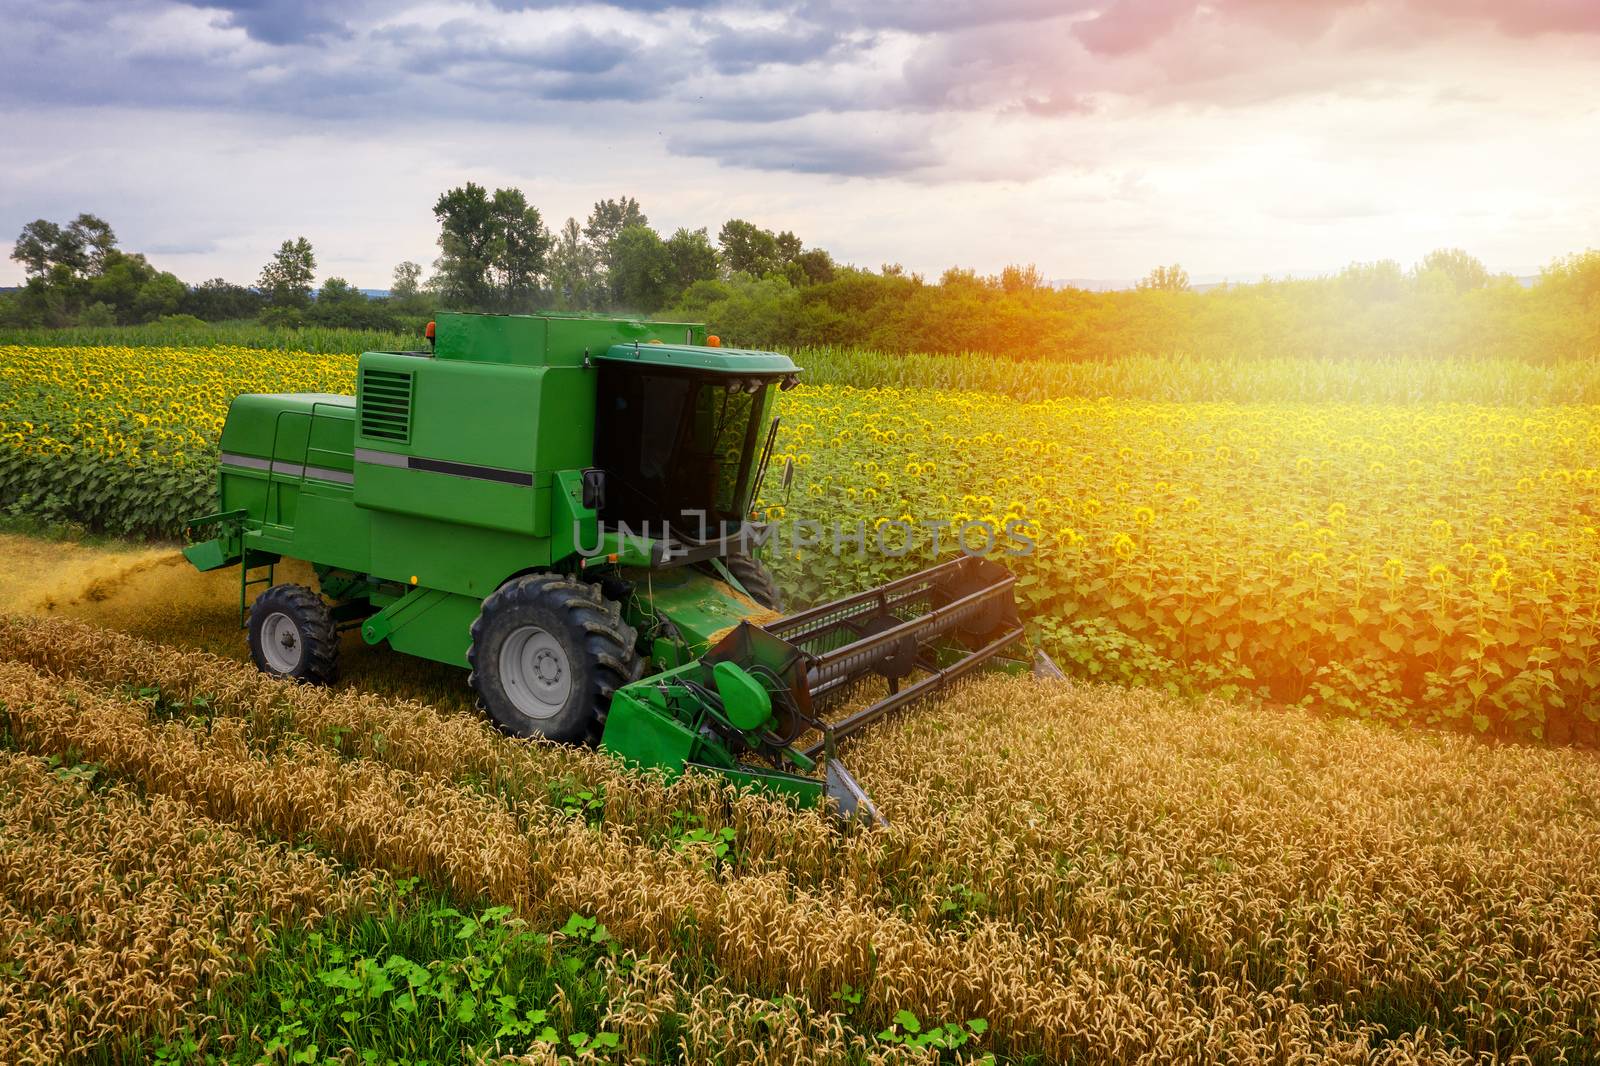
(495,254)
(78,276)
(760,287)
(1446,305)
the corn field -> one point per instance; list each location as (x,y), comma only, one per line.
(1095,874)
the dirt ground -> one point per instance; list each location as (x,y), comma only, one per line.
(153,592)
(129,588)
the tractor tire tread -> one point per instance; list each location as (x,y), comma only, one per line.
(607,642)
(319,633)
(756,579)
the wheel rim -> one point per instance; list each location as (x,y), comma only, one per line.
(281,645)
(535,672)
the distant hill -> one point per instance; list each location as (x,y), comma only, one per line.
(1090,284)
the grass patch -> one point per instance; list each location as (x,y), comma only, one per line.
(31,525)
(420,982)
(239,333)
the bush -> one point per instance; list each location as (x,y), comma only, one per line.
(98,314)
(282,317)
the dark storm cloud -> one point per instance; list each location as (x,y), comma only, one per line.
(458,70)
(649,7)
(737,50)
(870,154)
(463,46)
(279,21)
(912,16)
(732,105)
(922,16)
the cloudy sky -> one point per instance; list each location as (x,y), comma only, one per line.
(1095,138)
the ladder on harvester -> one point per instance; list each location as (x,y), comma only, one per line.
(229,549)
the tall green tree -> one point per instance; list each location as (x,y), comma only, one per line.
(1017,279)
(788,247)
(693,258)
(38,247)
(161,294)
(76,273)
(133,290)
(641,271)
(407,283)
(518,250)
(1383,280)
(748,249)
(287,278)
(79,248)
(493,249)
(606,222)
(218,300)
(95,239)
(337,292)
(814,266)
(466,243)
(574,269)
(407,295)
(1166,279)
(1575,277)
(611,217)
(1459,270)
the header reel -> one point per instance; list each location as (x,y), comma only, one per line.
(757,706)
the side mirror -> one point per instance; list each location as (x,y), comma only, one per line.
(594,488)
(788,474)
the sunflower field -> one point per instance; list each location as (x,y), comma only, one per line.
(1435,561)
(124,440)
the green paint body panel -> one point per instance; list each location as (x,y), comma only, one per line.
(458,469)
(550,339)
(745,701)
(573,527)
(429,623)
(656,723)
(716,360)
(701,607)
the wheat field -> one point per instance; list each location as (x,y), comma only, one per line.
(1095,874)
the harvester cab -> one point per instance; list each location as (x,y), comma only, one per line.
(560,504)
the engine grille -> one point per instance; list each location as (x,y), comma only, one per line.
(385,405)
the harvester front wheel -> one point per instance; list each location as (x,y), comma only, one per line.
(547,653)
(292,635)
(756,579)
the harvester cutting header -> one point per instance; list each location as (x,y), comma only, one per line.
(557,503)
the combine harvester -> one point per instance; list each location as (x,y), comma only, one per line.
(555,503)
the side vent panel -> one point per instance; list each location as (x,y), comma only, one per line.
(385,408)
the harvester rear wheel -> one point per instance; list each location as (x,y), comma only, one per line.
(756,579)
(547,653)
(292,635)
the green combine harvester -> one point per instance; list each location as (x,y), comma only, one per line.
(556,504)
